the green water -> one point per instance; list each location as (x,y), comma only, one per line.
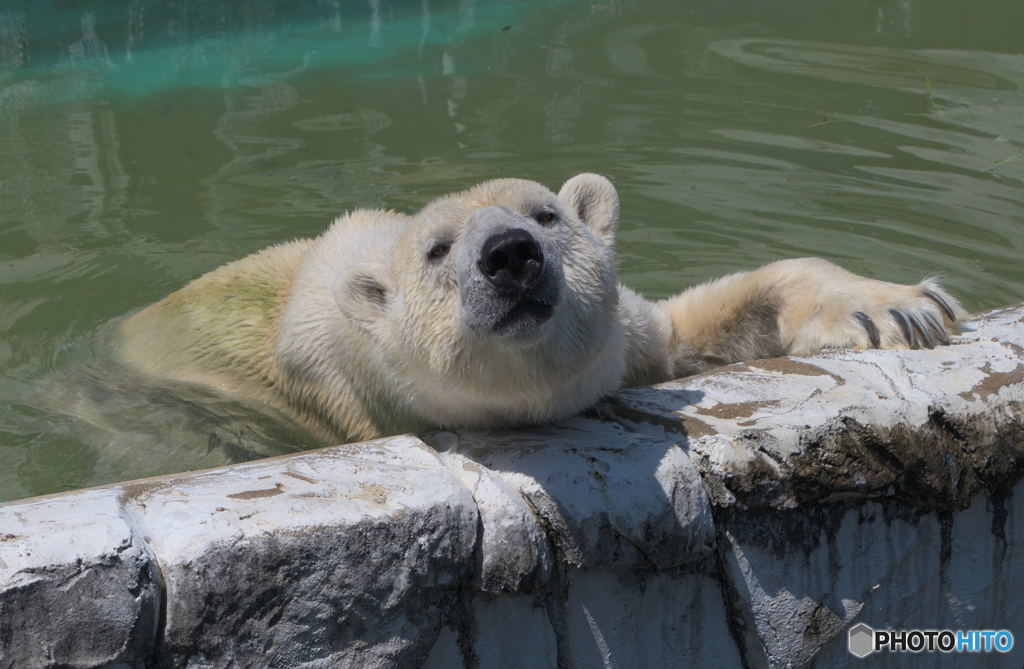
(144,143)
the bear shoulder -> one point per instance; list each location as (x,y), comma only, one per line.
(215,329)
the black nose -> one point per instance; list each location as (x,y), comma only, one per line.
(511,260)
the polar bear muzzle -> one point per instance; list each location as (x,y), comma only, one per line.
(510,273)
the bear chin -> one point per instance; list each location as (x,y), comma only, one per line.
(524,319)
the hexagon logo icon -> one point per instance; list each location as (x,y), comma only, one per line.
(860,640)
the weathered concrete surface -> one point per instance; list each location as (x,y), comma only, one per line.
(534,642)
(621,618)
(607,492)
(76,587)
(342,557)
(745,517)
(957,571)
(806,576)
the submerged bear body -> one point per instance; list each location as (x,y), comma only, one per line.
(494,306)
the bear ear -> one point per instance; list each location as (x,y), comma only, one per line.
(595,201)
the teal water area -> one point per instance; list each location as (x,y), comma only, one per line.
(143,143)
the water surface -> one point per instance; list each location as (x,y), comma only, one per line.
(143,143)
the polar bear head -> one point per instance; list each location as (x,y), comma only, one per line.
(492,306)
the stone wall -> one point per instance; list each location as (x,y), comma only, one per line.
(745,517)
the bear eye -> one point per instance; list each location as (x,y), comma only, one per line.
(439,250)
(545,217)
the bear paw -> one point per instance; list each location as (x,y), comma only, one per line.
(922,321)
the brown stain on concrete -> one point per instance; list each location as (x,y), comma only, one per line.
(300,477)
(789,366)
(696,428)
(373,493)
(994,382)
(691,426)
(256,494)
(733,410)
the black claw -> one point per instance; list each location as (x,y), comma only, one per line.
(901,321)
(921,332)
(946,307)
(937,328)
(870,326)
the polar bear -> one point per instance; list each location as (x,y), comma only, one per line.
(494,306)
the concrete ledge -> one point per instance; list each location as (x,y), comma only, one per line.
(346,556)
(77,586)
(745,517)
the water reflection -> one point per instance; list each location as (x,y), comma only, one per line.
(143,143)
